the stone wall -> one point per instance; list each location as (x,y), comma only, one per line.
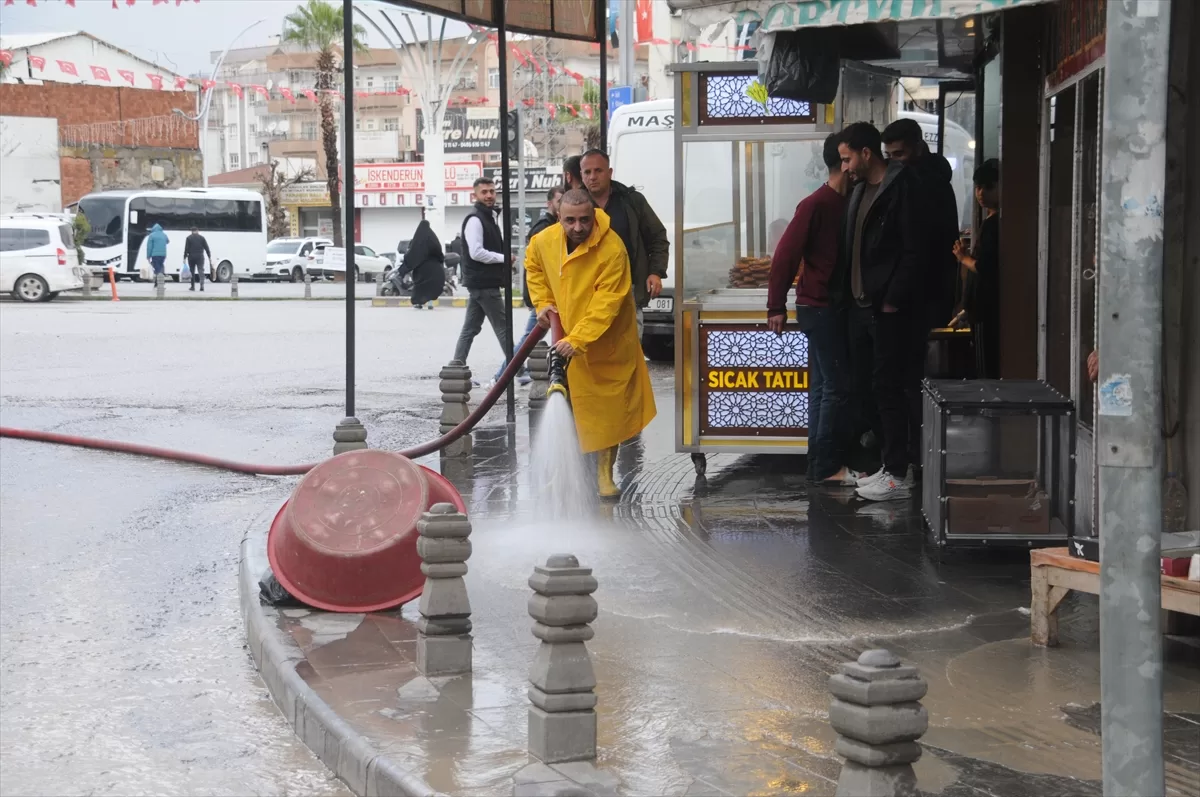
(99,168)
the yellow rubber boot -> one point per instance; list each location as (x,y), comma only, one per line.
(604,473)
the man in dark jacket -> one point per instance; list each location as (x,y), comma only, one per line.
(194,250)
(878,276)
(636,223)
(904,141)
(485,270)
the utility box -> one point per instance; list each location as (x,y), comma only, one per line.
(999,462)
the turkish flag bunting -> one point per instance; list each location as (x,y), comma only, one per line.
(71,3)
(571,109)
(529,102)
(261,90)
(552,109)
(361,94)
(534,61)
(312,95)
(237,89)
(288,95)
(207,84)
(126,75)
(517,54)
(550,67)
(100,73)
(31,2)
(645,21)
(181,83)
(68,68)
(8,2)
(38,62)
(5,57)
(587,111)
(155,81)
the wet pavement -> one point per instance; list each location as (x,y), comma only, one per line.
(724,604)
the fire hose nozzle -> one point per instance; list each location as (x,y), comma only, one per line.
(558,374)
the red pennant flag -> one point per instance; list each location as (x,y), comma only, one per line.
(129,2)
(529,102)
(517,54)
(361,94)
(155,81)
(288,95)
(31,3)
(71,3)
(511,105)
(691,47)
(312,95)
(587,111)
(237,89)
(37,62)
(127,75)
(571,109)
(207,84)
(552,109)
(68,68)
(578,78)
(100,73)
(537,67)
(181,83)
(659,41)
(266,95)
(6,57)
(551,68)
(9,2)
(160,2)
(645,21)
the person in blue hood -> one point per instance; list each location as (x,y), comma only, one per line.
(156,248)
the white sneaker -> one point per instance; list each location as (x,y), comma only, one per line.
(863,481)
(845,477)
(886,488)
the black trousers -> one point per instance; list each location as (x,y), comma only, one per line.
(884,341)
(197,269)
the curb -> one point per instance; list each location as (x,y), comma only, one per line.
(348,754)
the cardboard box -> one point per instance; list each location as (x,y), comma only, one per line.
(996,506)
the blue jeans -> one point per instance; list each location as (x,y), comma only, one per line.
(529,325)
(828,387)
(158,263)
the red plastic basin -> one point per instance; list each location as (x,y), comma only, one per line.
(346,541)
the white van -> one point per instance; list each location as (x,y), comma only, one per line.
(37,257)
(642,151)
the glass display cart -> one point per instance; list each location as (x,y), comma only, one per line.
(743,162)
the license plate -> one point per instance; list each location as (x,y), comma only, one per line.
(661,304)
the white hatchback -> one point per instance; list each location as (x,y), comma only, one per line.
(38,259)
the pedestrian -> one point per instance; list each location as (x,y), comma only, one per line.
(548,219)
(812,238)
(572,176)
(632,218)
(194,250)
(877,275)
(156,249)
(485,269)
(579,269)
(426,262)
(983,267)
(904,141)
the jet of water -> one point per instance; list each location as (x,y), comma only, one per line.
(561,478)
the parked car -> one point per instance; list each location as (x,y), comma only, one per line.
(38,259)
(287,258)
(369,263)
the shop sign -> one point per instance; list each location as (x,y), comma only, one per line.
(411,176)
(753,382)
(313,193)
(465,130)
(537,179)
(1076,37)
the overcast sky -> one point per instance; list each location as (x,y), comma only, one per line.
(180,38)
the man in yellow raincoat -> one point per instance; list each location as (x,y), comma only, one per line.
(579,269)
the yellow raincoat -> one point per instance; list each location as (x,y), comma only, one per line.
(609,383)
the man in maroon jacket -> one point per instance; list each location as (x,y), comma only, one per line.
(812,239)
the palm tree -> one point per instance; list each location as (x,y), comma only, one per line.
(317,25)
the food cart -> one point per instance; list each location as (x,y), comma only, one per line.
(742,163)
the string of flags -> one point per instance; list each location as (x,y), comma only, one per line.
(115,3)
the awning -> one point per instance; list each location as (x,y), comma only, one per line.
(563,19)
(774,16)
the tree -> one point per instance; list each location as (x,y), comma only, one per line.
(317,26)
(273,183)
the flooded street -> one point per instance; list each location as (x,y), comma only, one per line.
(123,666)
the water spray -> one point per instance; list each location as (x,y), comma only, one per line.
(558,363)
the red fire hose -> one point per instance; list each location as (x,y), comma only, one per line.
(415,452)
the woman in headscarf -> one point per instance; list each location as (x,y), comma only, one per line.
(425,260)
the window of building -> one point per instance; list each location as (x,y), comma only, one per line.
(372,124)
(231,130)
(253,128)
(391,123)
(466,82)
(391,83)
(358,124)
(493,78)
(234,161)
(308,130)
(370,83)
(252,159)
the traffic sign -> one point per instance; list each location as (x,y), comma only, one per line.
(618,96)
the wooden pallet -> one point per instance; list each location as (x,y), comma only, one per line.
(1054,573)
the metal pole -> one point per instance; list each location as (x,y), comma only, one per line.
(1129,442)
(602,26)
(502,54)
(521,200)
(627,38)
(348,190)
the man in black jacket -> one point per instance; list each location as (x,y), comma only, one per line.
(194,250)
(878,276)
(485,269)
(904,141)
(635,221)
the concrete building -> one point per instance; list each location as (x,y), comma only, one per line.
(76,57)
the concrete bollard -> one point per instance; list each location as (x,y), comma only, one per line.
(562,719)
(87,285)
(539,369)
(307,286)
(349,435)
(456,392)
(379,284)
(444,639)
(160,286)
(875,710)
(233,285)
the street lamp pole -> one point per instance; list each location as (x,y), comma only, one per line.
(204,101)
